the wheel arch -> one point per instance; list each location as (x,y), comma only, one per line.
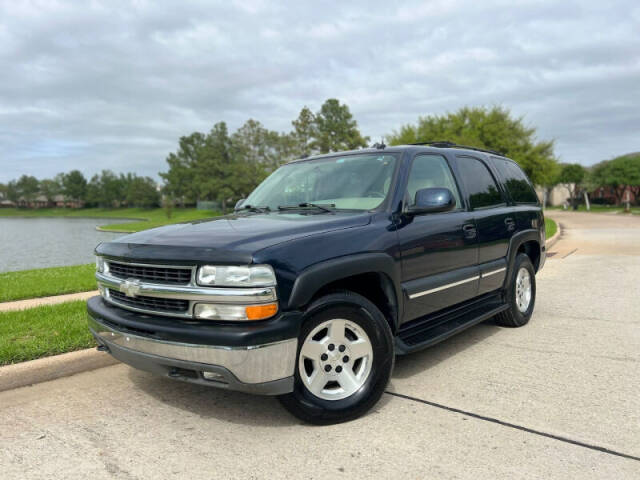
(527,242)
(375,276)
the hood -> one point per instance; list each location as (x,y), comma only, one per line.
(231,239)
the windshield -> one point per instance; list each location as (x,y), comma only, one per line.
(354,182)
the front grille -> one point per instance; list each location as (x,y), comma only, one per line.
(175,276)
(150,303)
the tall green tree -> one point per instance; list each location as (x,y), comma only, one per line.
(141,192)
(181,182)
(74,185)
(620,174)
(336,129)
(571,176)
(491,128)
(49,187)
(304,133)
(13,193)
(28,187)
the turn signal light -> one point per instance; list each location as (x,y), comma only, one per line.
(260,312)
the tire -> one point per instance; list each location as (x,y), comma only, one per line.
(358,374)
(520,309)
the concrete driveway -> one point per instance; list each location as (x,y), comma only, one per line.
(559,398)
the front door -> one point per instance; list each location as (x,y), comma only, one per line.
(439,250)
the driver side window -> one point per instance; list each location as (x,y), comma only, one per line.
(431,171)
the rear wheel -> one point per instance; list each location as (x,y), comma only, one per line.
(521,294)
(345,358)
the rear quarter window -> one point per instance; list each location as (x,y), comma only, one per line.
(516,181)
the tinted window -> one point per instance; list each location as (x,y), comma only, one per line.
(431,171)
(516,181)
(481,187)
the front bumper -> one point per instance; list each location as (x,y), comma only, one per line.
(263,368)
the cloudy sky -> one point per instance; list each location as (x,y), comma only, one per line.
(93,85)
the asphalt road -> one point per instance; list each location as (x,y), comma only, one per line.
(559,398)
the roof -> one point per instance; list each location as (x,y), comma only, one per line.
(422,147)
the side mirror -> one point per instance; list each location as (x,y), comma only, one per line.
(239,203)
(432,200)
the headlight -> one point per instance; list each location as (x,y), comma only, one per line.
(210,311)
(101,265)
(237,276)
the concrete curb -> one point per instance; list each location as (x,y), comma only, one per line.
(37,302)
(551,241)
(50,368)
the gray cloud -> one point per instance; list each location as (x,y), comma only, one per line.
(114,84)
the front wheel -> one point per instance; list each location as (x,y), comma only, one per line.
(345,358)
(521,294)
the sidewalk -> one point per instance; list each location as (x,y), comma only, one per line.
(36,302)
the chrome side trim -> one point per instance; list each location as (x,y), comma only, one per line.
(493,272)
(251,364)
(443,287)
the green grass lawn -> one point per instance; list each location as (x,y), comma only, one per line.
(43,282)
(147,218)
(550,227)
(43,331)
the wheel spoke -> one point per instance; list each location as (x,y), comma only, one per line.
(317,382)
(360,348)
(348,380)
(336,331)
(313,349)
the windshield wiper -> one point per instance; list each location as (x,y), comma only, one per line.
(327,207)
(254,208)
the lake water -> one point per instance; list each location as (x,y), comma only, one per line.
(27,243)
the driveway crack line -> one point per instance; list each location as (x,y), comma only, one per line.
(497,421)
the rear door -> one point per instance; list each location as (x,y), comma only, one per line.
(494,219)
(439,250)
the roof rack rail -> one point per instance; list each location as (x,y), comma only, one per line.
(447,144)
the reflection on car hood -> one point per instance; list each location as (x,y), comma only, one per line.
(229,239)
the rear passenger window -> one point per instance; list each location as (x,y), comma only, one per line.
(481,187)
(516,181)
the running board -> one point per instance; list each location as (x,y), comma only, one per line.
(424,333)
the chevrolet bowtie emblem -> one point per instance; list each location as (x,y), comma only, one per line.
(130,287)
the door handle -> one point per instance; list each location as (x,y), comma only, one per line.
(469,230)
(510,223)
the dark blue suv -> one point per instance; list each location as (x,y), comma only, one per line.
(330,268)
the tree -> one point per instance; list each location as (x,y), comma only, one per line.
(304,133)
(493,129)
(335,129)
(50,188)
(28,187)
(571,176)
(13,193)
(180,180)
(74,185)
(620,174)
(141,192)
(106,190)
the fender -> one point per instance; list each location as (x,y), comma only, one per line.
(318,275)
(517,240)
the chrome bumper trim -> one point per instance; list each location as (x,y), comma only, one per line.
(251,364)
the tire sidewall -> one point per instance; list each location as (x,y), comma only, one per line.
(522,261)
(360,311)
